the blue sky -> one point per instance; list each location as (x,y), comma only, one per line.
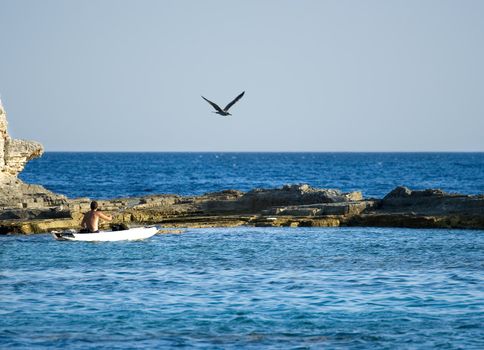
(318,75)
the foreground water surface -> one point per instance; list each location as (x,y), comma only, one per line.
(246,288)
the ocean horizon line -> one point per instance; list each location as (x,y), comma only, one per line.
(279,152)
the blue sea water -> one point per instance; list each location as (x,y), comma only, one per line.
(255,288)
(260,288)
(109,175)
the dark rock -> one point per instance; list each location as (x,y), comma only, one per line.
(431,202)
(262,199)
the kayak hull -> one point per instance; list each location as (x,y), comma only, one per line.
(133,234)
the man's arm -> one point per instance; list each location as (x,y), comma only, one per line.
(104,217)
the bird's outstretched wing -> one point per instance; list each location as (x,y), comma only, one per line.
(214,105)
(234,101)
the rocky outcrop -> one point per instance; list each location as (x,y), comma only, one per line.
(431,202)
(265,199)
(17,199)
(292,206)
(429,208)
(14,154)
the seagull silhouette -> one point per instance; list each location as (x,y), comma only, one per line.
(224,111)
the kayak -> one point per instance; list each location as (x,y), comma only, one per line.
(132,234)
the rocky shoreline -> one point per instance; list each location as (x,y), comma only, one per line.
(26,209)
(290,206)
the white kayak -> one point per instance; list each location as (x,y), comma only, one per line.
(132,234)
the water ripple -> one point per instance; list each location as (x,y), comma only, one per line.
(246,287)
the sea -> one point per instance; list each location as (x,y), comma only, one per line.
(110,175)
(246,287)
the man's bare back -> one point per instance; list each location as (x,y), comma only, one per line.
(90,221)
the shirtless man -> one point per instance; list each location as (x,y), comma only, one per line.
(90,222)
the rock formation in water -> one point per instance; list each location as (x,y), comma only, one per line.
(14,154)
(429,208)
(14,193)
(292,205)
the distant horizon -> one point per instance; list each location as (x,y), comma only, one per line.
(45,151)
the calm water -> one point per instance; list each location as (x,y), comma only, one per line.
(108,175)
(246,288)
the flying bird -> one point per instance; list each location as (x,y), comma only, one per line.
(224,111)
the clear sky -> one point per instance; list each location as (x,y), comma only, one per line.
(319,75)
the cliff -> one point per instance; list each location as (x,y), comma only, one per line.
(14,154)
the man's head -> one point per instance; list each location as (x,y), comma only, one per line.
(94,205)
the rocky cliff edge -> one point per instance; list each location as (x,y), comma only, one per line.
(14,193)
